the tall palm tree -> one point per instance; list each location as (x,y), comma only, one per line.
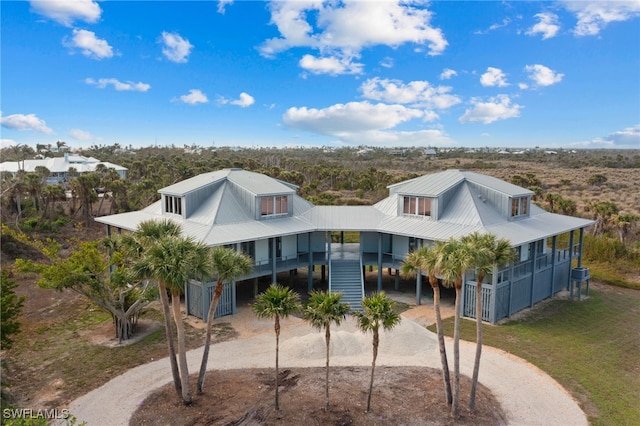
(277,302)
(322,310)
(487,252)
(425,259)
(377,312)
(453,260)
(149,233)
(228,265)
(173,261)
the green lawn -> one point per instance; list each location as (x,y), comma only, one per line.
(591,347)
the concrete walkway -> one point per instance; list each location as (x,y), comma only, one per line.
(527,395)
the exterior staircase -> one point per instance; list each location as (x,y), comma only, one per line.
(345,276)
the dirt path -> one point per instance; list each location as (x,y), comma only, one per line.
(527,395)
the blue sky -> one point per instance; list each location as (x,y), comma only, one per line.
(321,73)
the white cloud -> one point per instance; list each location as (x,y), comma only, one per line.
(89,44)
(222,5)
(447,73)
(431,137)
(494,77)
(627,138)
(118,85)
(497,108)
(175,48)
(415,93)
(593,16)
(343,29)
(344,119)
(25,122)
(330,65)
(547,25)
(244,101)
(81,135)
(65,12)
(543,76)
(194,97)
(493,27)
(387,62)
(7,143)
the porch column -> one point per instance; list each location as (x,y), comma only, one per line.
(234,305)
(310,266)
(419,288)
(580,248)
(533,270)
(493,314)
(273,261)
(553,263)
(396,284)
(569,281)
(380,262)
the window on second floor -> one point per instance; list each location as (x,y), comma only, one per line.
(274,206)
(419,206)
(519,206)
(172,204)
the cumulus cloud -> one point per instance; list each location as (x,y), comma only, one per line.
(387,62)
(343,29)
(243,101)
(81,135)
(25,122)
(118,85)
(593,16)
(447,73)
(175,48)
(416,93)
(66,12)
(90,45)
(627,138)
(343,119)
(497,108)
(330,65)
(194,97)
(547,25)
(494,77)
(543,76)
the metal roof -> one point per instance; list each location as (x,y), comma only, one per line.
(222,219)
(59,164)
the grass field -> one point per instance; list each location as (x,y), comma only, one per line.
(591,347)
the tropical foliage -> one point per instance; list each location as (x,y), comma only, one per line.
(322,310)
(378,311)
(277,302)
(227,265)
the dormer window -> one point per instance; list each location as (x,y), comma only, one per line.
(519,206)
(173,205)
(417,206)
(274,206)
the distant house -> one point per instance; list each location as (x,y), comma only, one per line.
(59,166)
(269,221)
(430,152)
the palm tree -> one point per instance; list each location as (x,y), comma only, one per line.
(425,259)
(378,312)
(147,234)
(277,302)
(487,252)
(228,265)
(453,260)
(322,310)
(173,261)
